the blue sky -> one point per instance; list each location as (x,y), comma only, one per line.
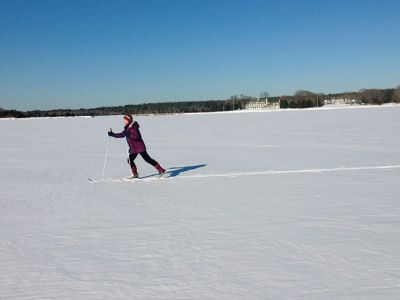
(90,53)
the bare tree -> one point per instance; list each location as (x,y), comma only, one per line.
(302,93)
(264,95)
(396,94)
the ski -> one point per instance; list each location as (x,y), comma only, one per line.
(129,179)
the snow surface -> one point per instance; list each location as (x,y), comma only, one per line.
(294,204)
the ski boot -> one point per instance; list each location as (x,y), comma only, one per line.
(160,169)
(135,174)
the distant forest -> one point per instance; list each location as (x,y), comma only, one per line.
(300,99)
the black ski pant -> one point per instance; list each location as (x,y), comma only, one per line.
(145,156)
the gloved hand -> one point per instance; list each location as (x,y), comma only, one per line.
(110,133)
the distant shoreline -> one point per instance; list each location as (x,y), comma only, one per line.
(300,100)
(323,108)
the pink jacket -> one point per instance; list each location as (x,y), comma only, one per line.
(133,138)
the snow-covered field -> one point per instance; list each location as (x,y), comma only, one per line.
(296,204)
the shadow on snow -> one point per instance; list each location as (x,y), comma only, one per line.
(176,171)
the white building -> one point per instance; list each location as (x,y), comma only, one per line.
(341,101)
(262,103)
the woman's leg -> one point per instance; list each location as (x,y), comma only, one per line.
(132,164)
(148,159)
(152,162)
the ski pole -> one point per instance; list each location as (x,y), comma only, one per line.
(128,159)
(105,158)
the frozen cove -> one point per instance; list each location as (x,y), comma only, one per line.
(296,204)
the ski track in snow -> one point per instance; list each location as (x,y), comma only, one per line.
(241,174)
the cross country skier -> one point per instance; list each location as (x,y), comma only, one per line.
(136,145)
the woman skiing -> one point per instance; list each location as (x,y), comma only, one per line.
(136,145)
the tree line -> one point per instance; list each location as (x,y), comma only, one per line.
(300,99)
(303,99)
